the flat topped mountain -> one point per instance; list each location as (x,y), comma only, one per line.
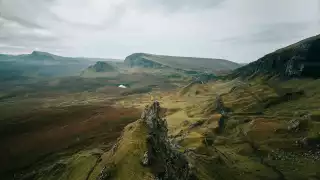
(40,53)
(185,63)
(301,59)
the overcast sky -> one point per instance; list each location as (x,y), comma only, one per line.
(237,30)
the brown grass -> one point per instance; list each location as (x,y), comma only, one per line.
(28,137)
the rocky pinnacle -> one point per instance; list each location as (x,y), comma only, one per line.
(165,161)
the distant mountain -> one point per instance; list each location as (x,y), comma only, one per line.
(40,64)
(184,63)
(301,59)
(102,66)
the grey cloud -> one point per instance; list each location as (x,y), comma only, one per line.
(27,13)
(20,27)
(108,22)
(11,39)
(271,33)
(10,32)
(280,32)
(178,5)
(18,20)
(145,6)
(26,49)
(191,3)
(209,28)
(5,47)
(23,12)
(31,41)
(28,41)
(35,14)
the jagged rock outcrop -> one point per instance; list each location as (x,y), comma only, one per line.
(144,151)
(293,125)
(165,162)
(145,160)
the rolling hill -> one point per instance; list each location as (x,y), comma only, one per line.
(38,57)
(42,64)
(101,66)
(180,63)
(297,60)
(101,69)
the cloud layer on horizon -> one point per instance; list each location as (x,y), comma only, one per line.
(240,31)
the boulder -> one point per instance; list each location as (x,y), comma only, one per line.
(145,160)
(106,172)
(298,124)
(293,125)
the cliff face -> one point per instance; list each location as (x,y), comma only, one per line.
(301,59)
(188,64)
(164,161)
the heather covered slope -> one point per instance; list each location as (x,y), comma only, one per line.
(181,63)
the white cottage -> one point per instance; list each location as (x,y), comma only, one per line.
(122,86)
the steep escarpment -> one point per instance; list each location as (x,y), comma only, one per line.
(189,64)
(301,59)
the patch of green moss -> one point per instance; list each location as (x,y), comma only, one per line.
(129,152)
